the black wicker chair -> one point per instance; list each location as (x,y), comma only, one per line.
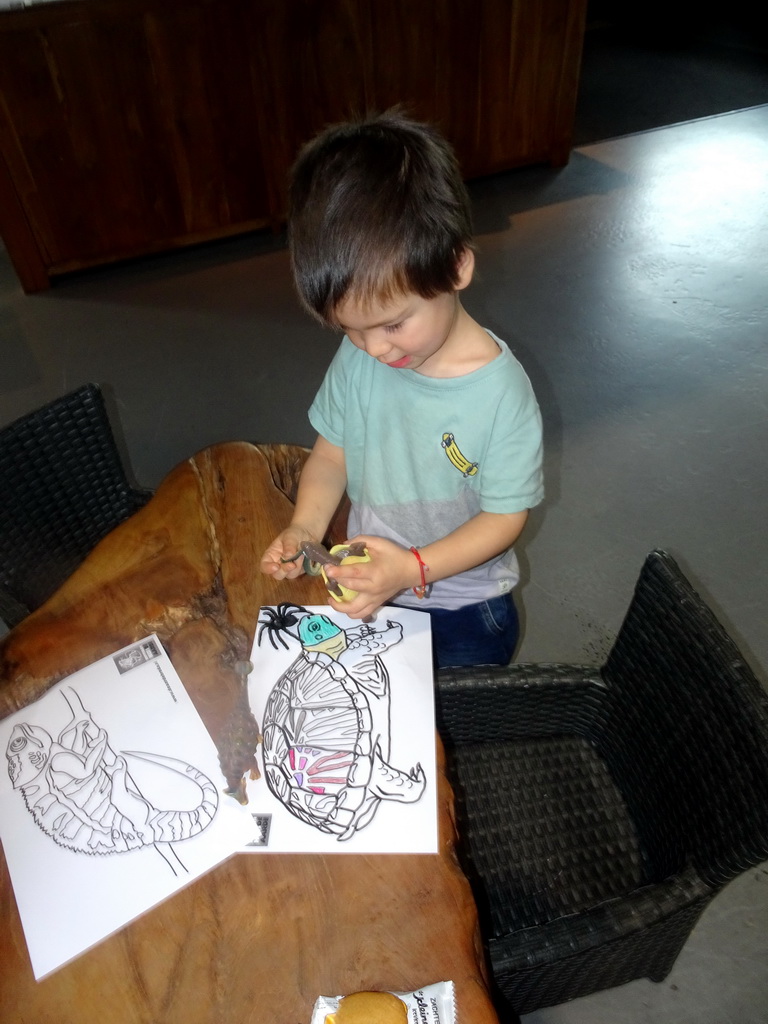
(62,488)
(602,809)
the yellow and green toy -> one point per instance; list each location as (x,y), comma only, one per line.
(317,557)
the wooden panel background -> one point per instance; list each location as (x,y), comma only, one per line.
(128,126)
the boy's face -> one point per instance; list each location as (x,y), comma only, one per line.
(407,331)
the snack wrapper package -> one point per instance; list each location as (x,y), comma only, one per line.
(433,1004)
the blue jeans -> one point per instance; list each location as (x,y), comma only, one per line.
(485,633)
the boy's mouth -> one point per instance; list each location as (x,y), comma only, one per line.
(400,363)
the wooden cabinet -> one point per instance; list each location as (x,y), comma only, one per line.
(131,126)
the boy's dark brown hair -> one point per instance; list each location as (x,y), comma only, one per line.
(377,208)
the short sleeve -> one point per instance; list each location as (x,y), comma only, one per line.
(513,472)
(327,412)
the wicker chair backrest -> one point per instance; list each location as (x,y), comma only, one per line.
(63,487)
(687,736)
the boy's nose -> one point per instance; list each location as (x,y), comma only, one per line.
(376,345)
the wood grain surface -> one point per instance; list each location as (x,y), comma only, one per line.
(259,938)
(132,126)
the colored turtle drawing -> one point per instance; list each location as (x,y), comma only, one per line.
(326,724)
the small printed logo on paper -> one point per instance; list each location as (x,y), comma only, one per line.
(136,655)
(263,824)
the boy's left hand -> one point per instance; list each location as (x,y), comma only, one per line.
(391,568)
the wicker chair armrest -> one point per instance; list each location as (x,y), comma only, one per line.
(138,498)
(652,905)
(496,704)
(11,610)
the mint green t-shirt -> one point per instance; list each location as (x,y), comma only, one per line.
(424,455)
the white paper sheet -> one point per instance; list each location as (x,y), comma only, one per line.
(116,761)
(348,759)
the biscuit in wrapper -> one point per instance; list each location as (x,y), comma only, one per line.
(431,1004)
(369,1008)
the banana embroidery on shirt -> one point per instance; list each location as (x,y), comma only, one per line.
(464,466)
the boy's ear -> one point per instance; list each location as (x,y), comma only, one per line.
(465,268)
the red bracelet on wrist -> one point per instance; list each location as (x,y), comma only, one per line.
(424,588)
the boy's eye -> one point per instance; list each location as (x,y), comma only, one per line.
(390,328)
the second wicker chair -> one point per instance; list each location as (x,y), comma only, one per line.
(602,809)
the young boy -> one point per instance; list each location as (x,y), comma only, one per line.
(425,418)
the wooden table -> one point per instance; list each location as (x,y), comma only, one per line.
(258,939)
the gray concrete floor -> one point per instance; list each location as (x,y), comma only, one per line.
(632,286)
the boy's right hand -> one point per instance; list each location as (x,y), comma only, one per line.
(273,561)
